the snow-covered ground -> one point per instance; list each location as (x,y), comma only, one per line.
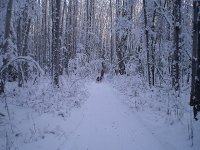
(169,119)
(105,121)
(37,112)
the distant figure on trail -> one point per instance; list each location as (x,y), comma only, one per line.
(99,78)
(1,87)
(102,73)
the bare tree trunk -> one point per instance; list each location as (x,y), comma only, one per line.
(177,47)
(8,19)
(195,87)
(89,27)
(111,34)
(7,35)
(152,49)
(147,42)
(25,49)
(123,10)
(55,40)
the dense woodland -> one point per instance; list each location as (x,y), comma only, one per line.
(157,40)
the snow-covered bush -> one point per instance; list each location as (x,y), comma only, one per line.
(161,99)
(43,97)
(80,67)
(38,98)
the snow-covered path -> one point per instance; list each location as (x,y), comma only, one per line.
(105,123)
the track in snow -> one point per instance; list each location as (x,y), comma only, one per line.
(105,123)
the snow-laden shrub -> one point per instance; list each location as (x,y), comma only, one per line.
(131,68)
(36,101)
(161,99)
(44,98)
(80,67)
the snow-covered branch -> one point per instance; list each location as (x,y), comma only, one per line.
(26,59)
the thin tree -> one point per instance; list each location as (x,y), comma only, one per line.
(177,46)
(7,37)
(122,11)
(147,41)
(55,40)
(111,34)
(195,91)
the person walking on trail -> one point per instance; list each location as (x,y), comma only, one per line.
(99,78)
(102,73)
(102,70)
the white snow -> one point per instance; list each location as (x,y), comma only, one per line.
(103,122)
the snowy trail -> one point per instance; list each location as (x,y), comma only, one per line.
(104,123)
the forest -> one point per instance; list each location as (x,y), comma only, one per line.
(53,51)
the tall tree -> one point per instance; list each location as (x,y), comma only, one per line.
(123,14)
(23,29)
(6,45)
(195,94)
(71,27)
(177,45)
(147,41)
(90,16)
(56,40)
(111,34)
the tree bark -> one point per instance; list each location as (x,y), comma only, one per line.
(7,35)
(55,40)
(195,84)
(147,42)
(177,47)
(111,34)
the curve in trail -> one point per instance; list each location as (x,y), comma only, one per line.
(105,123)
